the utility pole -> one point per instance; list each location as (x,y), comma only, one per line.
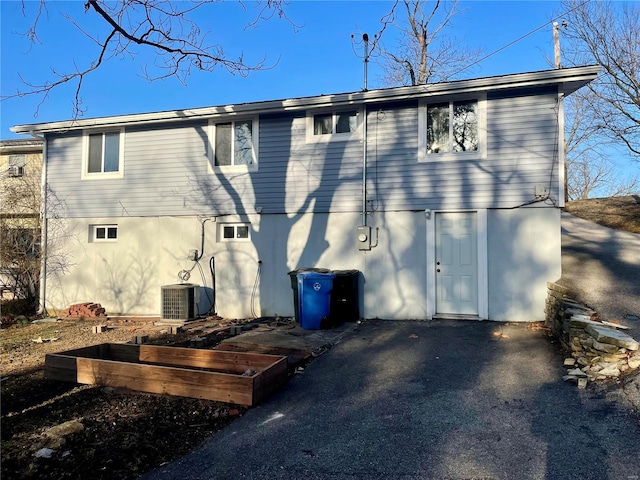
(556,43)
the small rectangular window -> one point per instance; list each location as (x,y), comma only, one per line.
(234,143)
(346,122)
(329,123)
(17,165)
(103,233)
(327,126)
(242,231)
(231,232)
(452,127)
(103,153)
(323,124)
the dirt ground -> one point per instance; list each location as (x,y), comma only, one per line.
(103,433)
(621,213)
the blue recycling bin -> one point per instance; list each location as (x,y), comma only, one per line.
(314,299)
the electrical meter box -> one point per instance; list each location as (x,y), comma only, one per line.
(363,237)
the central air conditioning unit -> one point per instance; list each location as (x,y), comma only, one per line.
(178,302)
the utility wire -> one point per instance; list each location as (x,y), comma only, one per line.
(519,39)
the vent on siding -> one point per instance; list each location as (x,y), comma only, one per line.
(178,302)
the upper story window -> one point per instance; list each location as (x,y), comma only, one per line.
(452,128)
(328,126)
(234,144)
(17,165)
(103,154)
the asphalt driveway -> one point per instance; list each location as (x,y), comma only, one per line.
(604,266)
(426,400)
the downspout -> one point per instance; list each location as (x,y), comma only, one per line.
(43,226)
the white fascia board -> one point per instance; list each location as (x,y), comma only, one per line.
(569,79)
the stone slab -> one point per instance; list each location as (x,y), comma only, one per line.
(580,322)
(613,337)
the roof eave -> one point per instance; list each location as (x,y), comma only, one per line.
(568,79)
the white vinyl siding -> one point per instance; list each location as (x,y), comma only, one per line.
(168,167)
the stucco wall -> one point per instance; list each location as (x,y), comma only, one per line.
(125,276)
(524,253)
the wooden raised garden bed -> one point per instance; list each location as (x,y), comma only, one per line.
(234,377)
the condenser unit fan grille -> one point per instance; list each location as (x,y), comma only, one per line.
(178,302)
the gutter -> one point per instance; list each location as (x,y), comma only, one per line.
(570,80)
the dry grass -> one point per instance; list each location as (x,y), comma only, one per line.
(621,213)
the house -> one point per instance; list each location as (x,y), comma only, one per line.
(20,193)
(446,197)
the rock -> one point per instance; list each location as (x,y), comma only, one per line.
(576,372)
(634,362)
(582,321)
(583,361)
(614,358)
(56,435)
(611,371)
(582,383)
(612,337)
(44,453)
(569,362)
(587,342)
(595,360)
(604,347)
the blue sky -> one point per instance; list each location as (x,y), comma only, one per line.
(317,58)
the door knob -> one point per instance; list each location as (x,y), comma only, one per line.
(438,270)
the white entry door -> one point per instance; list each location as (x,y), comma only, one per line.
(456,263)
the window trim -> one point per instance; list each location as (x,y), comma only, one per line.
(86,175)
(93,233)
(17,166)
(480,153)
(311,137)
(255,140)
(235,226)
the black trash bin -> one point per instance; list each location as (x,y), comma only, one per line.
(344,296)
(293,276)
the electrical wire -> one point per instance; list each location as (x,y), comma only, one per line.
(255,289)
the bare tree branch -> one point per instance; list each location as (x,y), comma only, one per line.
(423,53)
(609,34)
(166,27)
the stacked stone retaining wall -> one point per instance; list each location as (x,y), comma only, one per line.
(597,350)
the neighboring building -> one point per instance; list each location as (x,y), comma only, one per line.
(459,215)
(20,193)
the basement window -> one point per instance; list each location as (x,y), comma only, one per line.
(231,232)
(103,233)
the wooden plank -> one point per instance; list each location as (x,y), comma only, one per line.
(123,352)
(270,380)
(236,362)
(176,375)
(60,367)
(167,380)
